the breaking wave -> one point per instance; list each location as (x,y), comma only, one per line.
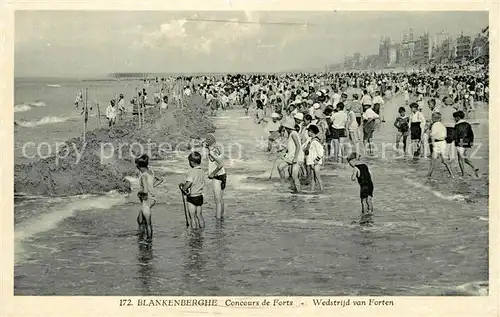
(42,121)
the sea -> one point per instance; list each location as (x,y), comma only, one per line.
(425,237)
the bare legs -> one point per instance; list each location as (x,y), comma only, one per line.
(462,158)
(144,220)
(366,204)
(283,168)
(315,178)
(196,211)
(219,198)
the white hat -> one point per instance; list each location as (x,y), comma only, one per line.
(289,123)
(305,94)
(323,91)
(309,102)
(316,106)
(318,93)
(275,115)
(319,114)
(299,116)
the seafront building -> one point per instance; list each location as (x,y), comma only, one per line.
(419,50)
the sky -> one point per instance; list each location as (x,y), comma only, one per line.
(93,43)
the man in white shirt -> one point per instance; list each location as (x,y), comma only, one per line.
(438,136)
(335,98)
(273,128)
(366,100)
(339,127)
(369,121)
(380,101)
(111,113)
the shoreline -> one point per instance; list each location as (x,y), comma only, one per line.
(82,168)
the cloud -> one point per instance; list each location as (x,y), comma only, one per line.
(197,35)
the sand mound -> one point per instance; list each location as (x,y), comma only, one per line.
(106,158)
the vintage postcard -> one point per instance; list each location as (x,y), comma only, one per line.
(249,157)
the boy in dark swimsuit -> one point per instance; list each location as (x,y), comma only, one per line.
(362,173)
(464,140)
(192,188)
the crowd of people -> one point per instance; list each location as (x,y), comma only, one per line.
(312,119)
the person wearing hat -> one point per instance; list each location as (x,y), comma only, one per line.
(294,155)
(111,113)
(292,110)
(299,119)
(216,173)
(313,108)
(273,129)
(322,124)
(121,105)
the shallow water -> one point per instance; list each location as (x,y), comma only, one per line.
(425,237)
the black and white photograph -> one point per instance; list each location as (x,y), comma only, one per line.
(251,153)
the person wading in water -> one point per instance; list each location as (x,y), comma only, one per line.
(217,174)
(294,155)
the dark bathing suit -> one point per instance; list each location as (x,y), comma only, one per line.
(450,134)
(223,179)
(195,200)
(364,181)
(415,131)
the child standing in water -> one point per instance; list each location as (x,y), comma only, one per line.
(464,140)
(438,141)
(315,153)
(192,188)
(417,128)
(402,124)
(147,183)
(362,173)
(216,173)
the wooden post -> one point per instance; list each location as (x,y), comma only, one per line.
(86,116)
(98,108)
(139,108)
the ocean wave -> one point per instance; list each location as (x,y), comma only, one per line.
(49,220)
(54,86)
(456,197)
(42,121)
(21,108)
(38,103)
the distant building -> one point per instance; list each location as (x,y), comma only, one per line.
(425,47)
(480,48)
(383,52)
(463,47)
(356,60)
(393,54)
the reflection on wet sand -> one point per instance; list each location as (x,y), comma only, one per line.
(366,246)
(366,220)
(145,268)
(194,263)
(221,243)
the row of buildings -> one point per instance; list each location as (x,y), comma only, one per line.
(424,49)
